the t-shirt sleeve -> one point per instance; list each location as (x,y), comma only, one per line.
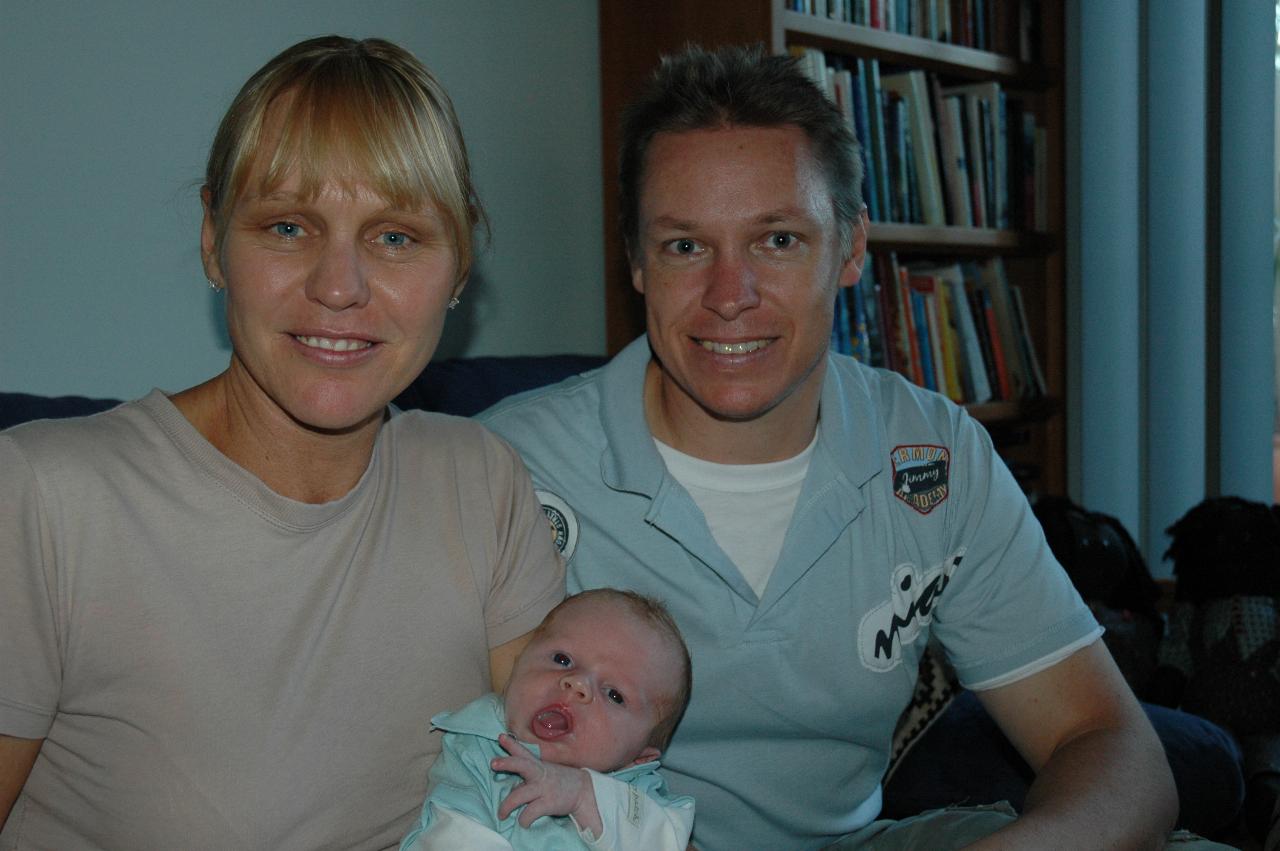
(527,578)
(1009,609)
(30,668)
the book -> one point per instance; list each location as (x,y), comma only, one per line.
(967,368)
(898,158)
(891,333)
(913,87)
(875,157)
(853,90)
(920,339)
(912,368)
(975,157)
(977,311)
(997,348)
(996,284)
(872,301)
(992,101)
(973,367)
(1038,385)
(951,158)
(943,356)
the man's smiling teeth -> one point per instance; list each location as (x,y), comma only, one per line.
(332,345)
(734,348)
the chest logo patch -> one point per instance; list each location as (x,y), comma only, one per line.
(898,621)
(562,520)
(920,475)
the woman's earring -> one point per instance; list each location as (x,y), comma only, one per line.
(454,302)
(213,285)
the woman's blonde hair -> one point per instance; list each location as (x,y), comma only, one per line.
(353,111)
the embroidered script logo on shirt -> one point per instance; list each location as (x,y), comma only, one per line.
(562,520)
(635,806)
(898,621)
(920,475)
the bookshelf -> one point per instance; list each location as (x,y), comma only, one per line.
(1030,433)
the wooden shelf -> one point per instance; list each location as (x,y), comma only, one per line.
(948,59)
(1031,410)
(892,236)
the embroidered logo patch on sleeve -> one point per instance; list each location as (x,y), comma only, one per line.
(562,520)
(920,475)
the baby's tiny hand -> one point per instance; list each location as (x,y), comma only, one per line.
(548,789)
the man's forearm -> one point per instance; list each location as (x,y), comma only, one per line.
(1112,786)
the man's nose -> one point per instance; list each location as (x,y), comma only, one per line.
(731,286)
(576,688)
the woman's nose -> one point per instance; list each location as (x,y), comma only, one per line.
(576,688)
(338,279)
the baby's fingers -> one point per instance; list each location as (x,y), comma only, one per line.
(531,813)
(512,746)
(518,797)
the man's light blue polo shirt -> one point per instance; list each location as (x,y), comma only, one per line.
(907,524)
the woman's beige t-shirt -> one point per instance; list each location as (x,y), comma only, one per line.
(213,665)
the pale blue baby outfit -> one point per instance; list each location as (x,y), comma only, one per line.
(635,806)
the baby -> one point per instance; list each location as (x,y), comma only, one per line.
(592,700)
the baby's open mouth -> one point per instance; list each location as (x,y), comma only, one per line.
(552,723)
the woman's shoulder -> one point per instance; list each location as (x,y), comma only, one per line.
(92,434)
(459,439)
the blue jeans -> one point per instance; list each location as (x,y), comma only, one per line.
(956,827)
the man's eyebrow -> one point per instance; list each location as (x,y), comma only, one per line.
(672,223)
(770,217)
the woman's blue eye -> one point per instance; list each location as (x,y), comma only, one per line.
(615,695)
(561,659)
(781,240)
(395,239)
(287,229)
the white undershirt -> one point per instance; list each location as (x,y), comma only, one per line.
(748,507)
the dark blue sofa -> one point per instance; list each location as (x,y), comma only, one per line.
(959,757)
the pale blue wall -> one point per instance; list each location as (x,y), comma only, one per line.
(106,113)
(1176,332)
(1247,412)
(1166,405)
(1106,270)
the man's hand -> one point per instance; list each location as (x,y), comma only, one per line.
(548,789)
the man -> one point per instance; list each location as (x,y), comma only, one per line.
(808,520)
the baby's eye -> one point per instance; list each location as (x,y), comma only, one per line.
(561,659)
(288,230)
(614,695)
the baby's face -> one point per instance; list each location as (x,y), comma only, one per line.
(590,688)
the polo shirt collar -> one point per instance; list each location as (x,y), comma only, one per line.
(630,461)
(850,430)
(850,435)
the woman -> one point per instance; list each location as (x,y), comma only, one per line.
(229,613)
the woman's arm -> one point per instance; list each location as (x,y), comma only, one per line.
(16,758)
(503,658)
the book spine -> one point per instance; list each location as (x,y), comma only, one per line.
(997,347)
(921,329)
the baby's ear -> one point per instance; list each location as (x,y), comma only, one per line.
(649,754)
